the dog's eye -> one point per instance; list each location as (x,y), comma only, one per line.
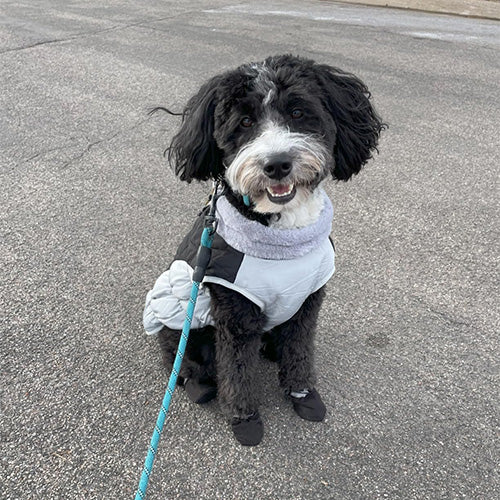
(246,122)
(297,113)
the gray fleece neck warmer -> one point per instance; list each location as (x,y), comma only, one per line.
(253,238)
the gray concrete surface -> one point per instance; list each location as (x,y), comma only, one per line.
(408,339)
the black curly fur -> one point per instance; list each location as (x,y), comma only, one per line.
(208,134)
(228,354)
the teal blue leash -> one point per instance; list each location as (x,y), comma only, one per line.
(202,260)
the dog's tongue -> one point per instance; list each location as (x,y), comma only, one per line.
(279,189)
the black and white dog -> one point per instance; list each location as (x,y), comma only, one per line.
(272,132)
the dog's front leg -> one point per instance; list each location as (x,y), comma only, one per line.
(238,324)
(295,340)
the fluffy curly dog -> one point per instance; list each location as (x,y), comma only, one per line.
(272,132)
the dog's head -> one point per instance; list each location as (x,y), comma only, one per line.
(274,130)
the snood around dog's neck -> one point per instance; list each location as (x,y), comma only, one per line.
(257,240)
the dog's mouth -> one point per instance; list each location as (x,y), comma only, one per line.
(281,193)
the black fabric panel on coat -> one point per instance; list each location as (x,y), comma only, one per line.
(225,261)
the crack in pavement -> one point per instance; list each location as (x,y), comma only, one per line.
(91,33)
(41,153)
(87,148)
(105,139)
(452,319)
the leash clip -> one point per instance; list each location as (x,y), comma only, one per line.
(211,222)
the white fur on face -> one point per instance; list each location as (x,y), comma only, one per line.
(246,174)
(300,213)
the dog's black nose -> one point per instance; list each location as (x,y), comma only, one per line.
(278,169)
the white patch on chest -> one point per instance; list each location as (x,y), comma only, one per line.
(298,215)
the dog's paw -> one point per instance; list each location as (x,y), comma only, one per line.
(248,431)
(309,406)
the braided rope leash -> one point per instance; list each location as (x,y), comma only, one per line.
(202,260)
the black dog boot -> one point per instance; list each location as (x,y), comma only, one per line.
(249,430)
(199,392)
(308,405)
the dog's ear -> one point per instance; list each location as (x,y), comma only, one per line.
(347,99)
(193,152)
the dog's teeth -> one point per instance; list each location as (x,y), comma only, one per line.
(280,193)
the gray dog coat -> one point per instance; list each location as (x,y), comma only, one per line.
(276,269)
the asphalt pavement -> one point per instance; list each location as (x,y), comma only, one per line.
(407,345)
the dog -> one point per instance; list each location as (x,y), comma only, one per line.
(272,133)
